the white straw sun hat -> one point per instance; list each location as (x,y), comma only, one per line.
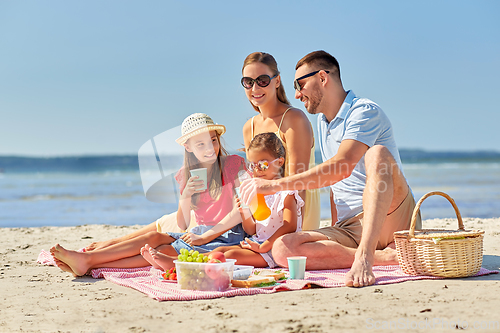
(198,123)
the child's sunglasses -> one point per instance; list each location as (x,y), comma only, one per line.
(261,165)
(262,81)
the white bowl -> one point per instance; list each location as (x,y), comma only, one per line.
(242,272)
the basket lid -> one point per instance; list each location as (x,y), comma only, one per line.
(439,233)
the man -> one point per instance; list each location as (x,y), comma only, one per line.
(361,165)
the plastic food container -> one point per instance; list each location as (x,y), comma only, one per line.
(204,276)
(242,272)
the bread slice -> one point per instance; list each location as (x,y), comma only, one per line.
(277,275)
(259,277)
(252,281)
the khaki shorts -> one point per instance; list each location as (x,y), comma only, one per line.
(348,232)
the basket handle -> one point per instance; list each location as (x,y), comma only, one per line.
(419,203)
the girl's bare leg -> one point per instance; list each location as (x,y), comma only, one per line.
(81,262)
(246,257)
(166,259)
(104,244)
(242,256)
(147,256)
(64,267)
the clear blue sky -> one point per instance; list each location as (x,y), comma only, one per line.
(103,77)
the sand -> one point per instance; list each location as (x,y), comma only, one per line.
(36,298)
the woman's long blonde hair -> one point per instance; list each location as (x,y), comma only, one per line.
(214,179)
(269,61)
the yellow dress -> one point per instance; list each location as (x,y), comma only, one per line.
(311,217)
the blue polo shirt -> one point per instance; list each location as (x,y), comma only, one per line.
(362,120)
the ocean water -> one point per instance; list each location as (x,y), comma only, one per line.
(109,190)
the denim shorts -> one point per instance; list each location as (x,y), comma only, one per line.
(231,237)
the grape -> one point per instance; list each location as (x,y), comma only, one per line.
(189,259)
(199,259)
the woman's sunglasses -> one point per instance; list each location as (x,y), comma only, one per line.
(261,165)
(262,81)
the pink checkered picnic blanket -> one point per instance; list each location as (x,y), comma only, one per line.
(148,281)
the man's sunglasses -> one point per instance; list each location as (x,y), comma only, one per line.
(261,165)
(296,83)
(262,81)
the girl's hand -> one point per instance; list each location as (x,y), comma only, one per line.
(244,212)
(193,239)
(251,245)
(192,186)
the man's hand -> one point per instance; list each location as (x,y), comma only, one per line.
(250,187)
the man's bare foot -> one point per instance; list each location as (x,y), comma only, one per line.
(361,274)
(77,261)
(145,253)
(164,261)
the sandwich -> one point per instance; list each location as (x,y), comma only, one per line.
(260,279)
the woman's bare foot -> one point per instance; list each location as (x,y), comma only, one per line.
(164,261)
(145,253)
(77,261)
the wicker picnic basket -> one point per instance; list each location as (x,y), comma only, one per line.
(436,252)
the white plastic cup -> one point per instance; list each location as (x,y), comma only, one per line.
(297,267)
(202,175)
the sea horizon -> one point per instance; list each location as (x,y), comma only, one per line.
(108,189)
(93,162)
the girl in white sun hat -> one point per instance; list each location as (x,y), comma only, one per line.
(201,140)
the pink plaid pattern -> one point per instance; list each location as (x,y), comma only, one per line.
(148,281)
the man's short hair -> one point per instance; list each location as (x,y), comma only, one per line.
(320,60)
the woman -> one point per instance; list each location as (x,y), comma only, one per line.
(263,88)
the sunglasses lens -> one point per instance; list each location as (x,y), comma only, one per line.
(296,85)
(263,80)
(263,165)
(247,82)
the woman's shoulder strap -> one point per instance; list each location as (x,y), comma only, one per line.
(251,126)
(283,117)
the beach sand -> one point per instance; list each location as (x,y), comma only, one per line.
(37,298)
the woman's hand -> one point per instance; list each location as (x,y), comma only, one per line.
(251,245)
(193,186)
(193,239)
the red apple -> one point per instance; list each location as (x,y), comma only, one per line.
(212,271)
(218,256)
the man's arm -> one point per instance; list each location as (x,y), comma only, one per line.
(325,174)
(333,208)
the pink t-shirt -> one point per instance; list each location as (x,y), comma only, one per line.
(210,211)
